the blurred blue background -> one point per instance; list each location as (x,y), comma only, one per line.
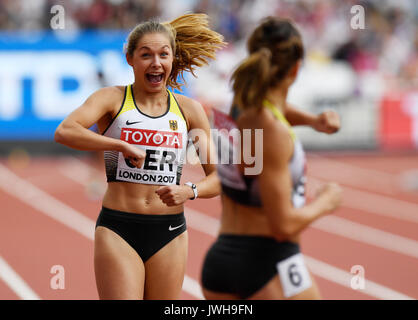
(45,77)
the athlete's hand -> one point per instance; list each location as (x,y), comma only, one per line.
(174,195)
(331,193)
(327,122)
(135,155)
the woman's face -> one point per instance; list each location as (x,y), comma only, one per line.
(152,62)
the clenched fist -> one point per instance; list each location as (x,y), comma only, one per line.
(133,154)
(174,195)
(327,122)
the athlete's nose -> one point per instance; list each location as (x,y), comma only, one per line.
(156,62)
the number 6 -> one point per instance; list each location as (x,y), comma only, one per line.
(294,276)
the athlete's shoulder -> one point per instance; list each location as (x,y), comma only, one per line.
(276,131)
(108,94)
(186,103)
(276,137)
(111,92)
(108,98)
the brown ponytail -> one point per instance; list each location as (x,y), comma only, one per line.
(252,78)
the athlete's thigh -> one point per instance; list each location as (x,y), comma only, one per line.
(165,270)
(270,291)
(119,270)
(212,295)
(312,293)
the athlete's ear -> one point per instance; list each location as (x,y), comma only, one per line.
(295,69)
(129,59)
(293,72)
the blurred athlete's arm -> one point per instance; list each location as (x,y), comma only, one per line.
(276,187)
(327,121)
(73,131)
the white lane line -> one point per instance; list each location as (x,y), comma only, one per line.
(193,288)
(211,226)
(365,201)
(343,278)
(55,209)
(331,224)
(358,232)
(84,172)
(352,175)
(202,222)
(374,203)
(372,179)
(15,282)
(42,201)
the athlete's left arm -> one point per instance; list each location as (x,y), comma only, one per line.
(327,121)
(199,132)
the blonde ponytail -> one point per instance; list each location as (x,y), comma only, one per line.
(195,44)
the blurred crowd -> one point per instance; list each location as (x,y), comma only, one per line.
(388,42)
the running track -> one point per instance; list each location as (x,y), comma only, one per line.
(49,208)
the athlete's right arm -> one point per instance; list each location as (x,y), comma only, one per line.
(276,188)
(327,121)
(74,131)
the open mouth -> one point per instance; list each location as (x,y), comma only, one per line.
(155,78)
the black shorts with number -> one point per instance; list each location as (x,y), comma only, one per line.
(242,265)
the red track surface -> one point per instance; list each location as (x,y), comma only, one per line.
(32,240)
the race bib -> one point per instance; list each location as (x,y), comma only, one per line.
(294,275)
(163,153)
